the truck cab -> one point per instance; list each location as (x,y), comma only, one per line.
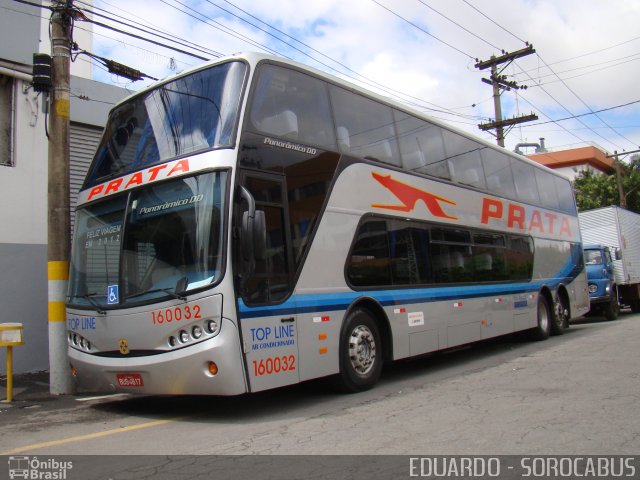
(603,291)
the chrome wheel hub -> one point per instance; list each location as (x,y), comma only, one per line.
(362,350)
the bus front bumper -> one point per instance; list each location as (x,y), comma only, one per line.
(185,371)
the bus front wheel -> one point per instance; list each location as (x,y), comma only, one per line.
(360,353)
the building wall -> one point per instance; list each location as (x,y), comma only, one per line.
(572,172)
(23,236)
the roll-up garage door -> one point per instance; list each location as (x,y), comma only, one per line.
(83,145)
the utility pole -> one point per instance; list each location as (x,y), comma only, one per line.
(499,82)
(617,165)
(58,197)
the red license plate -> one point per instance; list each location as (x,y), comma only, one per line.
(129,380)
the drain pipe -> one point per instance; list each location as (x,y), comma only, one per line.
(540,147)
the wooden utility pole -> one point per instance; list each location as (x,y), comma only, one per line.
(617,165)
(499,82)
(58,221)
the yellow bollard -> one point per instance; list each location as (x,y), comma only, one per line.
(10,336)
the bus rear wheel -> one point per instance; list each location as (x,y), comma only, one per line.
(560,315)
(360,353)
(543,328)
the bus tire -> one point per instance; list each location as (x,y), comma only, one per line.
(560,320)
(544,318)
(612,310)
(360,353)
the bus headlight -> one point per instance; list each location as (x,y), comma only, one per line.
(196,332)
(193,334)
(213,327)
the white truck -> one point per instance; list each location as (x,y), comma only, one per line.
(611,242)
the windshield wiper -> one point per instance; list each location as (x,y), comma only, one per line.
(177,292)
(168,291)
(89,298)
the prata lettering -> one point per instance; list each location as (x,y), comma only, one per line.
(519,218)
(159,172)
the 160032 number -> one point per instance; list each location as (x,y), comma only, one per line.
(271,365)
(175,314)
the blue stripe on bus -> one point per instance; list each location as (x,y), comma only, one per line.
(325,302)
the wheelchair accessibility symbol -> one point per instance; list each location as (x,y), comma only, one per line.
(112,294)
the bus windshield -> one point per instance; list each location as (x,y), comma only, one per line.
(187,115)
(165,240)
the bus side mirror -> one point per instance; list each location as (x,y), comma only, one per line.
(259,235)
(617,254)
(254,236)
(247,235)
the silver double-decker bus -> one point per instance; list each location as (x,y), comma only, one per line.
(254,223)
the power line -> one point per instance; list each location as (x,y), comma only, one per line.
(495,23)
(595,51)
(554,121)
(585,104)
(137,47)
(423,30)
(139,37)
(154,31)
(218,26)
(563,82)
(588,113)
(628,58)
(567,110)
(458,25)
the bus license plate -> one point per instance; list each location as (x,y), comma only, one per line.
(129,380)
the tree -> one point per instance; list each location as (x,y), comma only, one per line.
(595,191)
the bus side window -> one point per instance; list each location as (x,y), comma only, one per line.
(421,145)
(526,188)
(283,124)
(546,184)
(463,157)
(344,139)
(292,105)
(566,202)
(369,124)
(497,169)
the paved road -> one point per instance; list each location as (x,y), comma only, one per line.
(574,394)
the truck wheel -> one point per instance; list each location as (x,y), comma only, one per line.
(612,310)
(635,306)
(360,353)
(560,315)
(543,329)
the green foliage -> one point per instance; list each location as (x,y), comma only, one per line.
(596,191)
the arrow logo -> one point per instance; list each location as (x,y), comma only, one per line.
(409,196)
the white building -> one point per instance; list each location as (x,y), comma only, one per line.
(23,169)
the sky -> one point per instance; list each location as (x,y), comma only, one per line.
(582,81)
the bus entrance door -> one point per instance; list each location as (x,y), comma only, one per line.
(267,313)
